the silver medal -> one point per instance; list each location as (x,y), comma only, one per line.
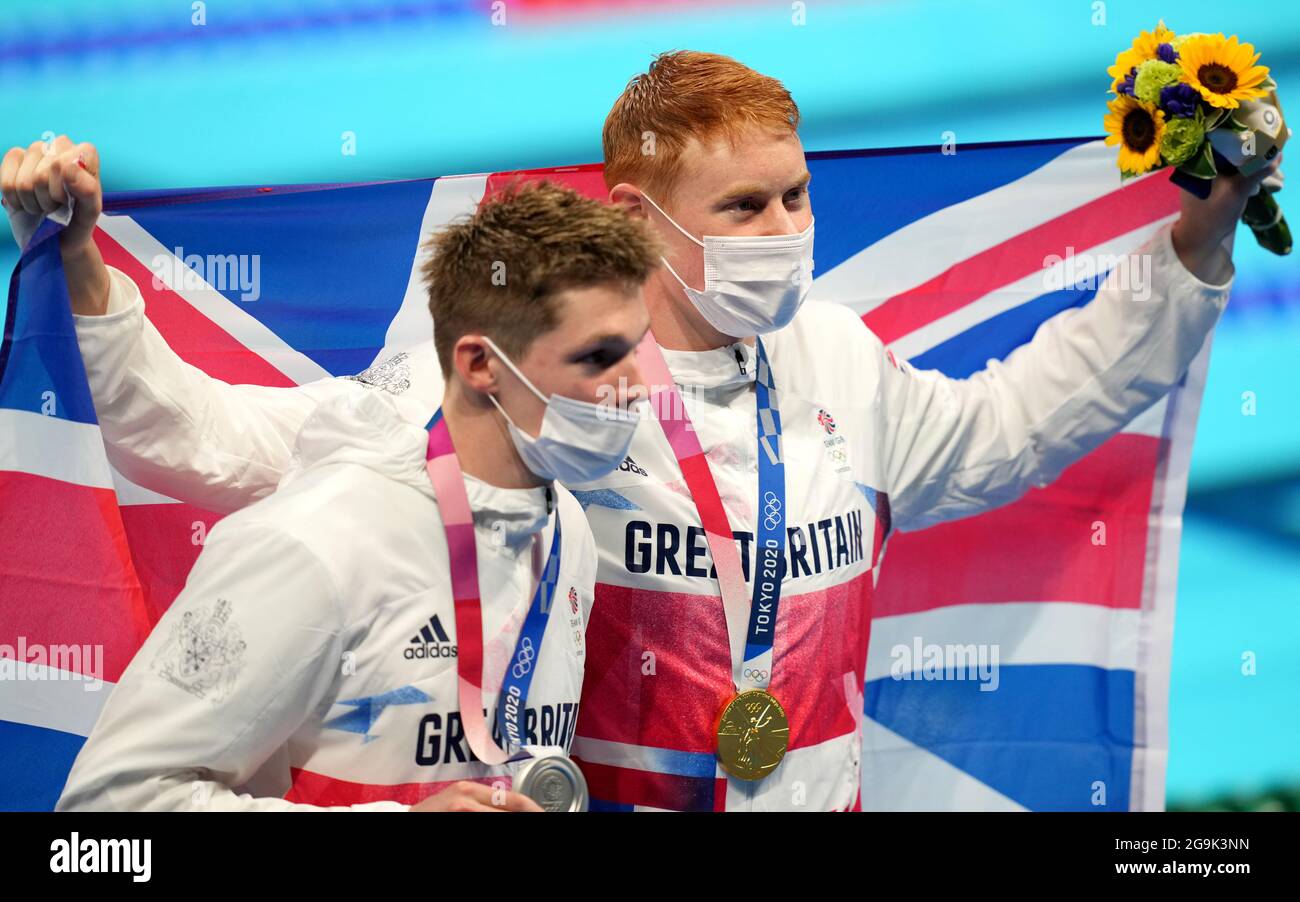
(554,782)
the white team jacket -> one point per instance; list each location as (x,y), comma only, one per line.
(310,661)
(867,441)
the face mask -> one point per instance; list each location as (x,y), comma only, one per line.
(579,441)
(752,283)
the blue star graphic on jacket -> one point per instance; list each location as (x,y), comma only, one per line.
(368,709)
(868,492)
(604,498)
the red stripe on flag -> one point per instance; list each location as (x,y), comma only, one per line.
(672,792)
(310,788)
(67,573)
(195,338)
(1039,548)
(165,541)
(1100,220)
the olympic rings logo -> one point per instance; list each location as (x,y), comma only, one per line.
(755,674)
(771,510)
(524,659)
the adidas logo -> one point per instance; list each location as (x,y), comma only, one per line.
(430,642)
(629,466)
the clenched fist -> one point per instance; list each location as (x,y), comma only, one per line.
(1204,226)
(38,181)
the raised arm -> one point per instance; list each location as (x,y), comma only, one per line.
(170,427)
(167,425)
(955,447)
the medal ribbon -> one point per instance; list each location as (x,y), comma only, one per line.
(751,647)
(462,552)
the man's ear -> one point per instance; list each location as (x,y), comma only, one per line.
(629,197)
(471,359)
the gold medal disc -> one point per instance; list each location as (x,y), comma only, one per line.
(752,734)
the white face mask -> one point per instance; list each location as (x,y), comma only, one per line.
(753,284)
(579,441)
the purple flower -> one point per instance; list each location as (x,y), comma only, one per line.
(1167,53)
(1126,85)
(1180,100)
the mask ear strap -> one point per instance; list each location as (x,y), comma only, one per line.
(673,221)
(668,266)
(514,369)
(501,410)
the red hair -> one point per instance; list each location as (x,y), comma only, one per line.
(687,94)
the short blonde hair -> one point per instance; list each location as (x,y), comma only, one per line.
(686,94)
(498,271)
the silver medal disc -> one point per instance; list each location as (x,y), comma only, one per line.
(554,782)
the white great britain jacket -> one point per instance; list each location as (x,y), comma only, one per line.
(870,445)
(310,661)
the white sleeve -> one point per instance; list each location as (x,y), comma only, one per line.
(170,427)
(220,686)
(955,447)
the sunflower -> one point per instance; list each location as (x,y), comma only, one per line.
(1137,128)
(1222,70)
(1146,46)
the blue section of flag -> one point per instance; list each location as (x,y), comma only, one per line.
(332,265)
(1046,737)
(43,758)
(40,364)
(970,351)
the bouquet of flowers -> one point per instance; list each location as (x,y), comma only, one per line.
(1199,103)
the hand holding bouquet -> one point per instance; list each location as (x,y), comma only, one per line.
(1199,103)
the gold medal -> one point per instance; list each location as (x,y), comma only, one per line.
(752,734)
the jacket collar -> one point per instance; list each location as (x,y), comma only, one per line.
(734,364)
(516,514)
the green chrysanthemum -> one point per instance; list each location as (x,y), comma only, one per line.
(1152,76)
(1181,140)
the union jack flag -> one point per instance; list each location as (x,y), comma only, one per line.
(946,257)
